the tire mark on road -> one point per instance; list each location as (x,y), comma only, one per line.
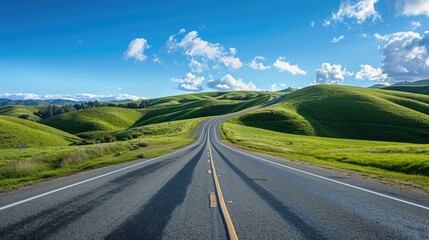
(153,217)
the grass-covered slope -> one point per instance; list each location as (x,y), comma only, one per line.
(348,112)
(94,119)
(199,105)
(109,119)
(14,131)
(411,89)
(18,110)
(405,161)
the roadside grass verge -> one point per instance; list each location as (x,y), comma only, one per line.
(22,166)
(400,161)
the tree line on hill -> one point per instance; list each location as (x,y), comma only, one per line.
(53,110)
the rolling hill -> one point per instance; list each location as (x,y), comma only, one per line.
(160,110)
(14,131)
(94,119)
(16,111)
(199,105)
(413,83)
(347,112)
(420,87)
(411,89)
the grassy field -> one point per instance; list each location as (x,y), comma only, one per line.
(14,131)
(110,119)
(94,119)
(15,111)
(347,112)
(411,89)
(20,166)
(199,105)
(403,161)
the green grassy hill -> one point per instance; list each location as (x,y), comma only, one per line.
(16,111)
(199,105)
(14,131)
(413,83)
(411,89)
(347,112)
(110,119)
(94,119)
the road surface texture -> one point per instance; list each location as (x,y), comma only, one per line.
(211,190)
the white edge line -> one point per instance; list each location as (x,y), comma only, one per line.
(324,178)
(200,138)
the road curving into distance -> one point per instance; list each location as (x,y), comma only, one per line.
(212,190)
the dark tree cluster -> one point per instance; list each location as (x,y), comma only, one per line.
(143,104)
(53,110)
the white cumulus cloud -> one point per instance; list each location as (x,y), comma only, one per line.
(337,39)
(229,83)
(405,56)
(331,74)
(203,52)
(413,7)
(358,11)
(368,72)
(190,82)
(136,49)
(231,62)
(282,65)
(257,64)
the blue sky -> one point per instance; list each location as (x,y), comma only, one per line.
(115,48)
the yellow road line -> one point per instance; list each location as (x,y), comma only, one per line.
(229,225)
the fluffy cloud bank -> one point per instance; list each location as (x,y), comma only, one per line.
(413,7)
(367,72)
(136,49)
(359,11)
(229,83)
(190,82)
(71,97)
(282,65)
(331,74)
(201,53)
(405,56)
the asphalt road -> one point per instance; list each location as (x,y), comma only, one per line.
(256,197)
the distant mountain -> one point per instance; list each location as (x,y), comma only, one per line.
(415,83)
(288,90)
(420,87)
(35,102)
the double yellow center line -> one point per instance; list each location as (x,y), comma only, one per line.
(231,230)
